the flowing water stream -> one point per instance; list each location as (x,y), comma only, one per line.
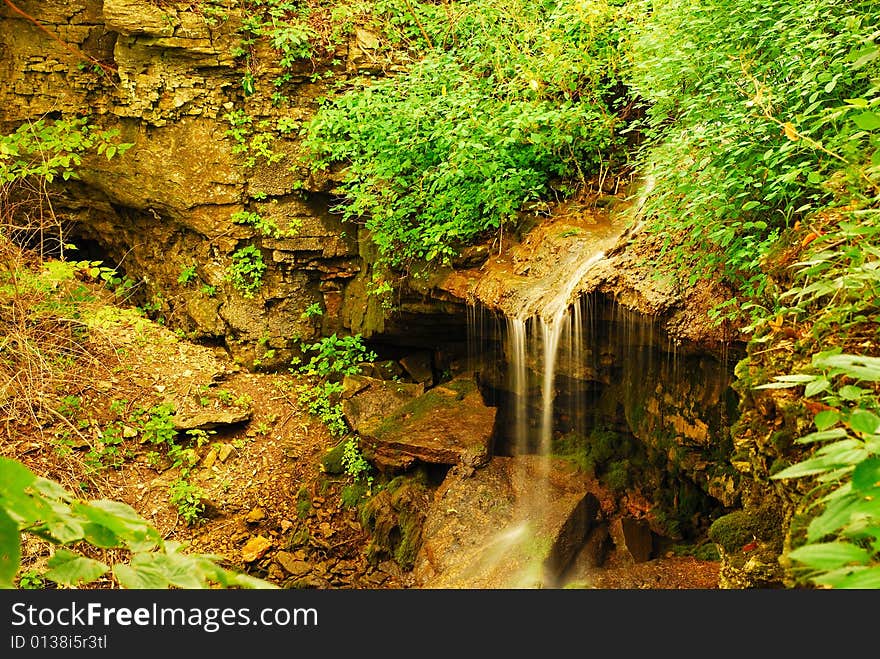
(564,366)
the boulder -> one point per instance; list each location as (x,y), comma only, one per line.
(366,401)
(516,523)
(449,424)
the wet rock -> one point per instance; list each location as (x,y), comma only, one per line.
(514,523)
(292,565)
(136,17)
(255,516)
(224,452)
(632,538)
(210,458)
(387,369)
(449,424)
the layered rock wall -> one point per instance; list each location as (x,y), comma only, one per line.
(166,205)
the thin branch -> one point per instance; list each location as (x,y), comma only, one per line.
(419,23)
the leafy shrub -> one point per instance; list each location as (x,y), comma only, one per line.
(247,269)
(758,113)
(507,97)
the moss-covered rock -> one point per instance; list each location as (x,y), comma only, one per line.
(395,516)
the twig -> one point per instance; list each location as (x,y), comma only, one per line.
(419,23)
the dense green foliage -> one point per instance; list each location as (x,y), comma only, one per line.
(836,290)
(758,114)
(506,98)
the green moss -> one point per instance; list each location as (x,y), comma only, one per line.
(617,477)
(444,396)
(706,551)
(394,516)
(353,495)
(331,461)
(778,465)
(740,527)
(303,503)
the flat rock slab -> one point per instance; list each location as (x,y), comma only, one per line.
(366,401)
(449,424)
(209,418)
(515,523)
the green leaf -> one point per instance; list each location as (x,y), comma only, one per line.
(836,515)
(72,569)
(856,366)
(816,386)
(809,467)
(854,577)
(10,549)
(867,120)
(121,520)
(830,555)
(834,433)
(864,422)
(866,475)
(826,418)
(139,578)
(15,481)
(173,568)
(851,392)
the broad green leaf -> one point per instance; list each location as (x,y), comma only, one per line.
(123,521)
(10,549)
(864,422)
(866,475)
(139,578)
(816,386)
(861,577)
(867,120)
(100,536)
(826,418)
(851,392)
(778,385)
(836,515)
(830,555)
(806,468)
(15,482)
(176,569)
(823,435)
(72,569)
(796,377)
(856,366)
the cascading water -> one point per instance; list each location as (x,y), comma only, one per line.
(591,406)
(536,334)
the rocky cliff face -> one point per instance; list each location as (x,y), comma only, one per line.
(167,205)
